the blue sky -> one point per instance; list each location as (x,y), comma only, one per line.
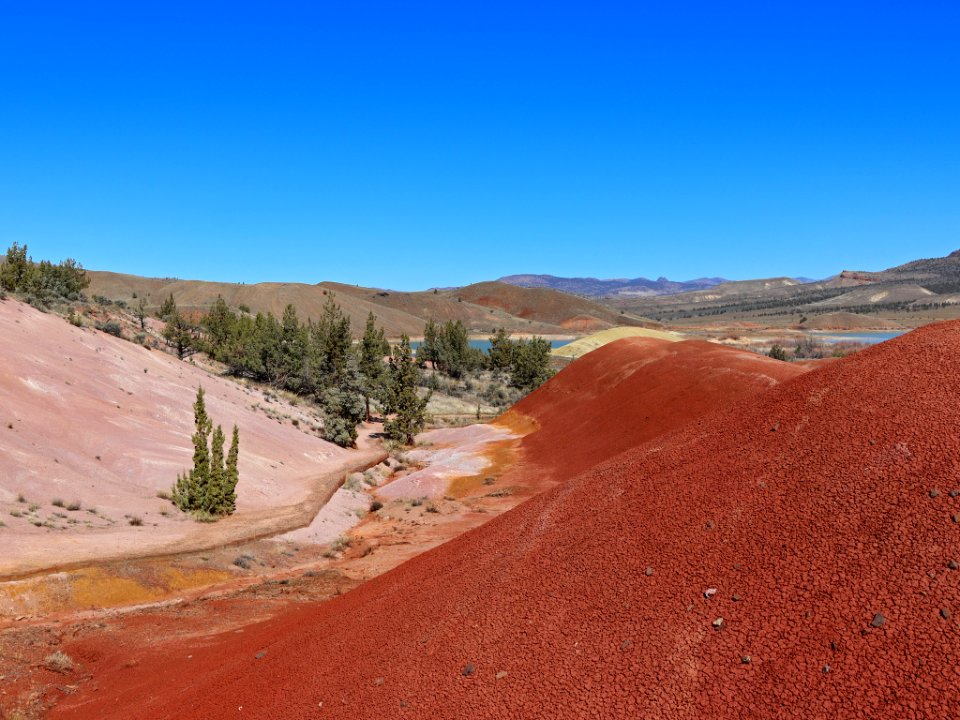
(409,145)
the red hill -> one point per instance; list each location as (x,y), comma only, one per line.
(819,512)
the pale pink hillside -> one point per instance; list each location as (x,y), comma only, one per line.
(91,418)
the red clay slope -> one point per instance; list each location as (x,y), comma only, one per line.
(629,391)
(810,508)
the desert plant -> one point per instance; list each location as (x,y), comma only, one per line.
(111,327)
(57,502)
(777,352)
(58,662)
(74,505)
(135,520)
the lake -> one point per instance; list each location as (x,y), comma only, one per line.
(871,338)
(485,344)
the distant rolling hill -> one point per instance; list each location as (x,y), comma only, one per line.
(913,294)
(481,307)
(593,287)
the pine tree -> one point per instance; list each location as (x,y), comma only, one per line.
(402,399)
(373,348)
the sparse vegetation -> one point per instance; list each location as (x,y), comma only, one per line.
(59,662)
(777,352)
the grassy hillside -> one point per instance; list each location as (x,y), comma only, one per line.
(481,307)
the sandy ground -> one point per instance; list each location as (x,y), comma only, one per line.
(101,425)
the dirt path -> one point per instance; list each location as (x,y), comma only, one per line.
(239,528)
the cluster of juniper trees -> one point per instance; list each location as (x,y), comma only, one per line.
(210,488)
(320,360)
(44,281)
(312,359)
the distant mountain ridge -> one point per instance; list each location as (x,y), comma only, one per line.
(595,287)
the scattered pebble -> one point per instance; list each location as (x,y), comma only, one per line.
(648,572)
(735,597)
(746,659)
(719,624)
(934,493)
(954,493)
(945,613)
(469,669)
(826,669)
(878,621)
(626,644)
(262,654)
(953,565)
(709,593)
(501,674)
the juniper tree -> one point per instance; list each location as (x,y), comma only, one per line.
(373,348)
(140,312)
(210,487)
(500,357)
(213,498)
(531,364)
(401,399)
(427,352)
(231,475)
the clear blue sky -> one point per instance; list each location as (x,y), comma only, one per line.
(409,145)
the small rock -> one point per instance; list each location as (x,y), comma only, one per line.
(719,624)
(501,674)
(626,644)
(378,681)
(746,659)
(709,593)
(469,669)
(735,597)
(260,655)
(826,669)
(953,565)
(945,613)
(934,493)
(833,645)
(648,572)
(710,525)
(955,517)
(878,621)
(954,493)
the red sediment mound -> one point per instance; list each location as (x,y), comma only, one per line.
(629,391)
(819,511)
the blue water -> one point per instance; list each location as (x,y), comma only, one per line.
(871,338)
(485,344)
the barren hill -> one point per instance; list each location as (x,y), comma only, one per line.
(90,419)
(792,555)
(476,626)
(480,307)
